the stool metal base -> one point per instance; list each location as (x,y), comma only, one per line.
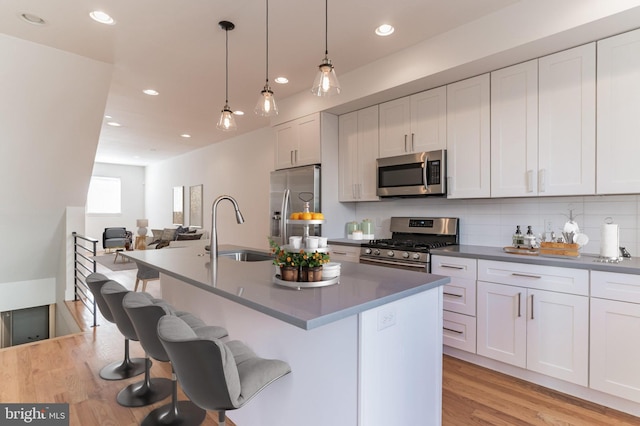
(185,413)
(144,392)
(123,370)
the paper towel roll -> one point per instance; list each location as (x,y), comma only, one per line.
(609,240)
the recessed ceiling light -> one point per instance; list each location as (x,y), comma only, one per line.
(150,92)
(238,112)
(281,80)
(103,18)
(385,30)
(107,116)
(32,19)
(114,124)
(185,135)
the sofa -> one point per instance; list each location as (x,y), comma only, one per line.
(167,236)
(115,238)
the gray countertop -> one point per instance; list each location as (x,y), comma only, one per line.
(585,261)
(361,287)
(346,242)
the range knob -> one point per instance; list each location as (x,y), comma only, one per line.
(390,253)
(405,255)
(376,252)
(416,256)
(367,251)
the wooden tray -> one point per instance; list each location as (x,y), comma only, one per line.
(517,250)
(565,250)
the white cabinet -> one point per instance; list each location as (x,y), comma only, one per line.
(415,123)
(459,300)
(344,253)
(514,130)
(567,122)
(618,111)
(298,142)
(468,138)
(358,151)
(521,322)
(615,327)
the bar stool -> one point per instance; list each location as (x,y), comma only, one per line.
(147,391)
(145,314)
(117,370)
(145,274)
(216,375)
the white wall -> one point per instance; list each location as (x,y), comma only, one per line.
(132,179)
(238,167)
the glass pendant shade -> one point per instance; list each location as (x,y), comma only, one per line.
(266,106)
(227,122)
(326,82)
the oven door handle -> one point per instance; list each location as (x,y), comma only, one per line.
(393,263)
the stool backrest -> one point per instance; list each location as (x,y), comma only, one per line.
(205,368)
(95,282)
(113,293)
(145,313)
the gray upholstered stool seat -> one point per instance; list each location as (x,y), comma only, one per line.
(145,313)
(216,375)
(117,370)
(147,391)
(145,274)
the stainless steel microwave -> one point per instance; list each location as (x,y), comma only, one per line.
(411,175)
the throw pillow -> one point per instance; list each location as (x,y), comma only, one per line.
(168,234)
(188,237)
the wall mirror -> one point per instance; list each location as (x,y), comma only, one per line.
(195,206)
(178,205)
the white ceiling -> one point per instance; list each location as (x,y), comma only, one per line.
(177,48)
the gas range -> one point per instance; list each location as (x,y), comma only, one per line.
(411,242)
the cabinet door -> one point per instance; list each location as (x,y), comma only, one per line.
(618,111)
(429,120)
(501,323)
(558,335)
(286,136)
(514,130)
(614,348)
(567,122)
(459,331)
(348,156)
(367,154)
(395,127)
(460,294)
(308,144)
(468,138)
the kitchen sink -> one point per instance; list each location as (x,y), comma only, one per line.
(246,256)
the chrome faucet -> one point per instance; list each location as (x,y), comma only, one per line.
(214,212)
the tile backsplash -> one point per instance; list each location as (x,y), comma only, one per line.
(492,222)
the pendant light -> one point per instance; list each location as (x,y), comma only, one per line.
(227,122)
(266,105)
(326,82)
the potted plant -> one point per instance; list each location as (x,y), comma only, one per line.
(289,263)
(311,265)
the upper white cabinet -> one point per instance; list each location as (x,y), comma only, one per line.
(358,151)
(468,138)
(514,130)
(298,142)
(567,122)
(415,123)
(618,114)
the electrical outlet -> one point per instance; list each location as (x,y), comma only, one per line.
(386,318)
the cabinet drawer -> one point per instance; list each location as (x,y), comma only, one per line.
(340,253)
(615,286)
(454,267)
(459,331)
(460,296)
(552,278)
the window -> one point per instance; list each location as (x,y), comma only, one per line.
(104,195)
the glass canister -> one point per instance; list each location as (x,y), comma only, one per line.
(367,227)
(352,226)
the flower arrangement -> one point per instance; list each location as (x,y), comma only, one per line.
(283,257)
(313,260)
(302,260)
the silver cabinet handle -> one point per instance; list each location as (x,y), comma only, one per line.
(413,147)
(296,156)
(452,267)
(526,275)
(405,143)
(519,298)
(343,253)
(532,306)
(291,156)
(451,294)
(451,330)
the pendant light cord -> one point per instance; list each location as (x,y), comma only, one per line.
(326,28)
(267,25)
(226,32)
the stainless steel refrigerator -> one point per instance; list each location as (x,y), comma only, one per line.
(289,189)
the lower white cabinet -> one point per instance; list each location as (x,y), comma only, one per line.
(344,253)
(540,330)
(459,331)
(615,334)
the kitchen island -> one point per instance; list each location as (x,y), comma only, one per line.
(365,351)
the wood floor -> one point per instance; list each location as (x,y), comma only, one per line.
(65,369)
